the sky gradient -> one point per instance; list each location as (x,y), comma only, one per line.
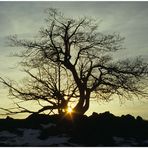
(129,19)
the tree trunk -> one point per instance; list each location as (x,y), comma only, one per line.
(79,107)
(83,104)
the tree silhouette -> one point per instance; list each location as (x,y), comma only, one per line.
(71,61)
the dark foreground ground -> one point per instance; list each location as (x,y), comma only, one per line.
(96,130)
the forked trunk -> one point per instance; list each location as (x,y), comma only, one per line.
(82,106)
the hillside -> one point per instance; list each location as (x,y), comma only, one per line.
(103,129)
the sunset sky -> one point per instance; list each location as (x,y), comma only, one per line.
(129,19)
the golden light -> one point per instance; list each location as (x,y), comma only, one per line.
(69,110)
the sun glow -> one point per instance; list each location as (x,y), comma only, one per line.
(69,110)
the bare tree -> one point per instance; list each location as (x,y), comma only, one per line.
(71,60)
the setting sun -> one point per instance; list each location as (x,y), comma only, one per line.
(69,110)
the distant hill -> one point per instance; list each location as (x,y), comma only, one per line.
(102,129)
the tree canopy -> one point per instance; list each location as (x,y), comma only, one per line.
(72,62)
